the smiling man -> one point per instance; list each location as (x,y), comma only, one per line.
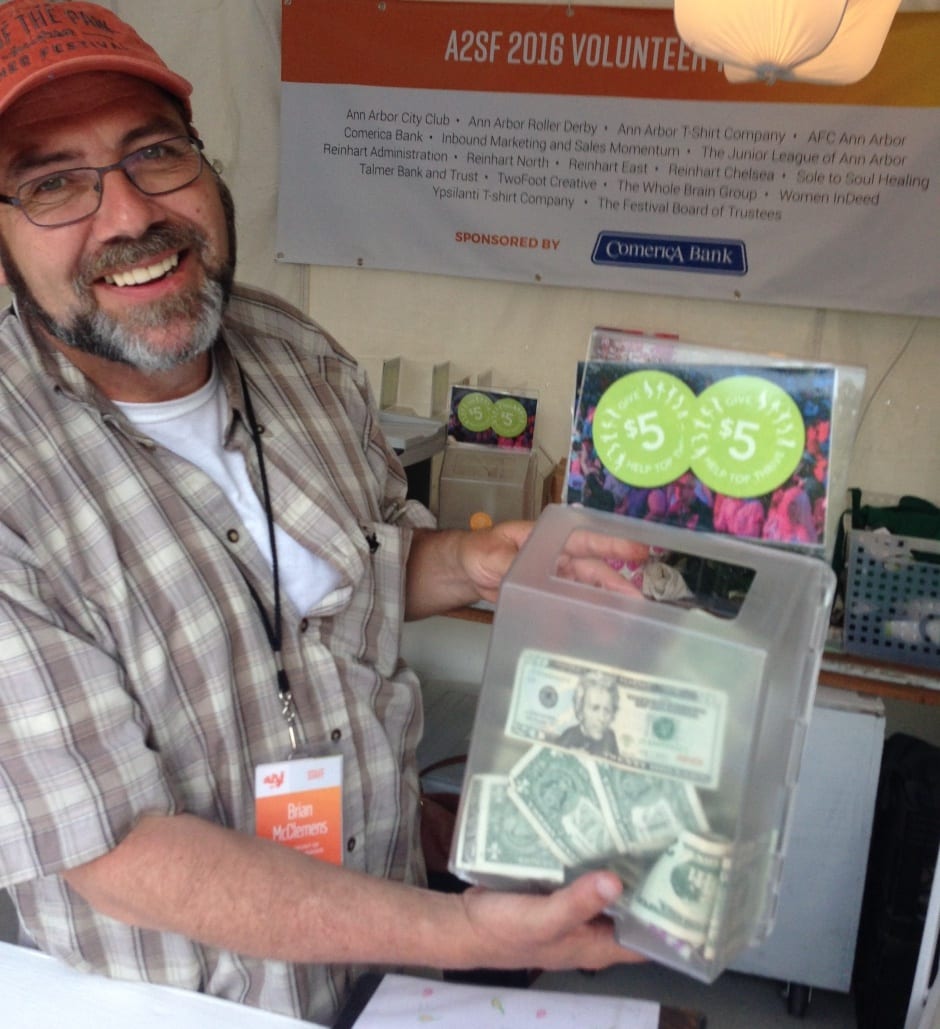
(206,555)
(137,273)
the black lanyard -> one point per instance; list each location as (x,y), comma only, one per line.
(272,628)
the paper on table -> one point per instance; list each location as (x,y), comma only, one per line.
(403,1001)
(39,990)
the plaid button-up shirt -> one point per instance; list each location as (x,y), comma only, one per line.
(135,673)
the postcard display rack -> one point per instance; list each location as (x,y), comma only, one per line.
(490,465)
(773,435)
(704,699)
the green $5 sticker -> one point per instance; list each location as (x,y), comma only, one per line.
(475,412)
(641,428)
(748,436)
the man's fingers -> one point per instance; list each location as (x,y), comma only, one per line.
(585,543)
(573,913)
(595,572)
(556,931)
(584,899)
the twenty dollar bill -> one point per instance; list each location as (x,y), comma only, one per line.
(636,722)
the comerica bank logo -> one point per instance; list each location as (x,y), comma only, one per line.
(674,253)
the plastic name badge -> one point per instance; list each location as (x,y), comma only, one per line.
(300,803)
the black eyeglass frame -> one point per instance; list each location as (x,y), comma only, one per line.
(196,144)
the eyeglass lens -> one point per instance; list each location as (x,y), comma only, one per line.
(75,193)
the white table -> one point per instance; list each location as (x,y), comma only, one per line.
(42,991)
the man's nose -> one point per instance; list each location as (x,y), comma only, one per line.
(124,211)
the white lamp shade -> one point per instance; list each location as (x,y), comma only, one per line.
(832,42)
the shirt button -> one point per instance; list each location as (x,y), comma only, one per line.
(233,536)
(351,844)
(336,734)
(304,624)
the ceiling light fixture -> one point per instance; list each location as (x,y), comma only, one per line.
(827,42)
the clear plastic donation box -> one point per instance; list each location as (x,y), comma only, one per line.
(658,734)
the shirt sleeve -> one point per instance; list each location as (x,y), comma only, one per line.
(75,769)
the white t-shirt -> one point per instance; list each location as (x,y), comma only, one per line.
(192,427)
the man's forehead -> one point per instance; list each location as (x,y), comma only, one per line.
(76,97)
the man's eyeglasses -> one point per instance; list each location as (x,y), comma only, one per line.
(71,194)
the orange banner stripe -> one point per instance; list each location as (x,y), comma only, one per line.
(565,51)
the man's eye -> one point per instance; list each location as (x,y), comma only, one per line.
(168,150)
(156,152)
(50,185)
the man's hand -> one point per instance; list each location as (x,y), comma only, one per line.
(589,557)
(486,555)
(595,559)
(451,568)
(565,929)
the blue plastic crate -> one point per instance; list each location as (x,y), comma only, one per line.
(892,598)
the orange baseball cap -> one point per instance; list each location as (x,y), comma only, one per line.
(40,42)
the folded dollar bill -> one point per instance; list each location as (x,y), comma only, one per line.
(586,811)
(680,893)
(645,812)
(495,838)
(705,893)
(555,792)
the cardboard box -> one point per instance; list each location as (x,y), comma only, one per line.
(503,483)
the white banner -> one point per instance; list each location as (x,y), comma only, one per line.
(830,204)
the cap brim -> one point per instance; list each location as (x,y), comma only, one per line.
(174,84)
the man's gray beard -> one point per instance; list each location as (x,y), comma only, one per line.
(103,336)
(94,332)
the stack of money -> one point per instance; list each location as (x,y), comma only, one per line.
(559,812)
(610,778)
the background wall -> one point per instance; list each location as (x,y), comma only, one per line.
(526,335)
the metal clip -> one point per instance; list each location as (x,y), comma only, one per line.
(289,713)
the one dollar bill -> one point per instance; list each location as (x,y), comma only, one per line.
(495,838)
(679,895)
(586,811)
(556,792)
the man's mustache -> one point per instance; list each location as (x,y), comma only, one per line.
(121,253)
